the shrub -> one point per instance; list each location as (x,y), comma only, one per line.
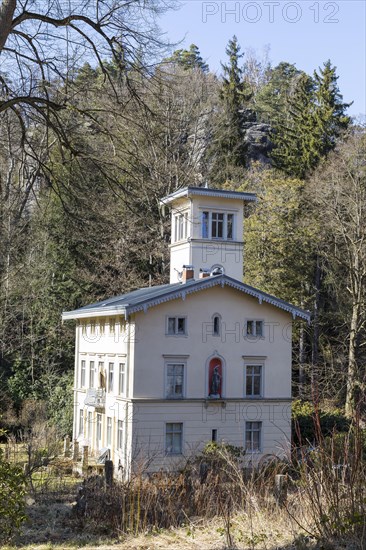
(12,503)
(307,421)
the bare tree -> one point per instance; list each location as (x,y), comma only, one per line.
(44,42)
(339,192)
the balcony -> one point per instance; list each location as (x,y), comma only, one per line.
(95,398)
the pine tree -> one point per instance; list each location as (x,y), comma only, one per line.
(271,100)
(330,116)
(228,150)
(296,151)
(189,59)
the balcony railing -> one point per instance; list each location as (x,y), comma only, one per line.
(95,398)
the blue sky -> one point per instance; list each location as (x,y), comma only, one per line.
(305,33)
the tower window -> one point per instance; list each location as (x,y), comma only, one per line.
(180,227)
(217,225)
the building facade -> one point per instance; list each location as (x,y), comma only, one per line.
(161,371)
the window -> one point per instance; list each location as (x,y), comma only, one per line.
(81,422)
(174,438)
(101,374)
(109,431)
(253,436)
(204,224)
(180,227)
(121,378)
(112,326)
(216,325)
(102,327)
(217,225)
(253,381)
(176,326)
(230,226)
(119,434)
(91,374)
(110,377)
(174,380)
(82,374)
(254,328)
(90,424)
(92,328)
(214,436)
(99,430)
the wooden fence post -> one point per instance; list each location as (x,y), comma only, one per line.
(280,491)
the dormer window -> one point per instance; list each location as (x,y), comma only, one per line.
(217,225)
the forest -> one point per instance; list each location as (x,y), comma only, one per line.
(93,136)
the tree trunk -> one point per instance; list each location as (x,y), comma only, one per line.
(352,361)
(315,342)
(7,9)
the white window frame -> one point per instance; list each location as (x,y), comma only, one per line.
(180,226)
(175,362)
(83,373)
(92,371)
(249,364)
(254,334)
(120,434)
(109,431)
(110,381)
(81,423)
(249,428)
(176,318)
(99,430)
(90,424)
(169,451)
(122,390)
(207,213)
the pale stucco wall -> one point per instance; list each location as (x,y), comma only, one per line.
(149,426)
(235,308)
(204,253)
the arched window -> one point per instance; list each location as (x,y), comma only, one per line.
(216,324)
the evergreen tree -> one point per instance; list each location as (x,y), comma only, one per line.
(271,101)
(314,121)
(330,116)
(189,59)
(228,149)
(296,150)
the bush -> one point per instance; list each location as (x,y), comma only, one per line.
(12,503)
(306,421)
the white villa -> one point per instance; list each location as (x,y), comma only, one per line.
(163,370)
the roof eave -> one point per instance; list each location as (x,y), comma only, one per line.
(203,191)
(95,312)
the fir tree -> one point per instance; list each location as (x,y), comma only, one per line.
(189,59)
(228,149)
(331,119)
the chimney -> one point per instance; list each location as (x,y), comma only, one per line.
(188,273)
(204,273)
